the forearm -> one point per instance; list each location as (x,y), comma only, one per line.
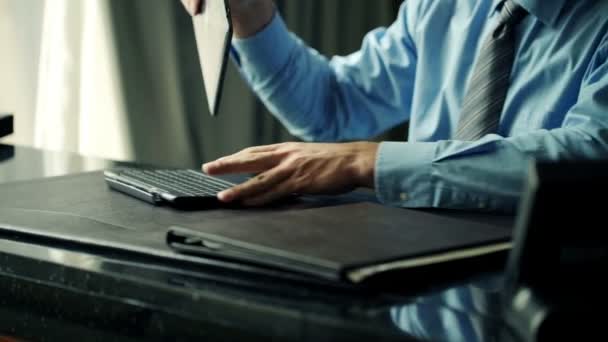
(290,79)
(485,175)
(345,99)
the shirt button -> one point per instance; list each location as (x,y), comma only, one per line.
(404,197)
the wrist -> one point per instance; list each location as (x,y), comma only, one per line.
(365,163)
(251,17)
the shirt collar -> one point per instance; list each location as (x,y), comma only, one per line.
(546,11)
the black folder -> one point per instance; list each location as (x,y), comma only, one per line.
(325,240)
(349,243)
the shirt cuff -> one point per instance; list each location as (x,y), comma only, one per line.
(403,174)
(266,53)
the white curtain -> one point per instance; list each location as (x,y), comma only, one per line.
(79,106)
(59,76)
(20,34)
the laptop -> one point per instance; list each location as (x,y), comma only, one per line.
(213,32)
(188,188)
(181,189)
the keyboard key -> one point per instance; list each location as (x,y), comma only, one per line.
(179,182)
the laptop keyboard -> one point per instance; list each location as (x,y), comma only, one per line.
(179,182)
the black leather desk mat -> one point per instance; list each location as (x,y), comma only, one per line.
(82,209)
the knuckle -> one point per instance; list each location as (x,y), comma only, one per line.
(262,179)
(248,150)
(297,160)
(218,164)
(284,171)
(278,155)
(288,146)
(226,163)
(247,160)
(257,182)
(239,188)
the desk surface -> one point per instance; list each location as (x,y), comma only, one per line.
(55,293)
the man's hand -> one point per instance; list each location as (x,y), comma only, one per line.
(193,6)
(248,16)
(297,168)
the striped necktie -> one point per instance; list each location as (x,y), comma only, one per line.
(485,97)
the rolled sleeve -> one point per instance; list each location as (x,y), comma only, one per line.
(264,54)
(403,174)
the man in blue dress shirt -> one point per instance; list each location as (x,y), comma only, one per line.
(442,66)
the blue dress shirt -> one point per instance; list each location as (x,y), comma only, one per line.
(417,70)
